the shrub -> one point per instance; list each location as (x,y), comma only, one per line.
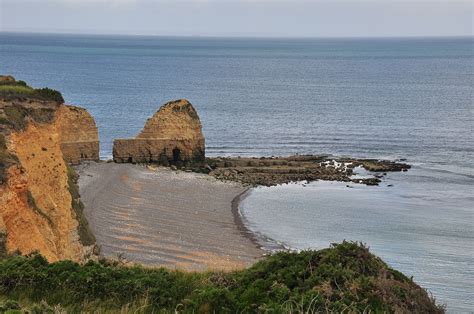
(49,94)
(345,277)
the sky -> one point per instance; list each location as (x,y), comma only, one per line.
(241,18)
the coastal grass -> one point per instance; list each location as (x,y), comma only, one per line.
(343,278)
(16,89)
(19,89)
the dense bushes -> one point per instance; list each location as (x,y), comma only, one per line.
(345,277)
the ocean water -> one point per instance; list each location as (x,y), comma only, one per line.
(378,98)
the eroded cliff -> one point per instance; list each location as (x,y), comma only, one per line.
(78,134)
(172,136)
(40,208)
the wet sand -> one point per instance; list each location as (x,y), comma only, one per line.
(166,218)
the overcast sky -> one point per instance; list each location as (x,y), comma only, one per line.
(286,18)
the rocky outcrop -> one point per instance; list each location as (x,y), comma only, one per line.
(270,171)
(7,79)
(78,134)
(39,204)
(172,136)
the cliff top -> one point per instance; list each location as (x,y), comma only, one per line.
(12,89)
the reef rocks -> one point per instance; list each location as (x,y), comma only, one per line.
(78,135)
(172,136)
(269,171)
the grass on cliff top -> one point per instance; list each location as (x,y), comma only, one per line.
(19,89)
(343,278)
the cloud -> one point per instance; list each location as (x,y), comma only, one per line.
(293,18)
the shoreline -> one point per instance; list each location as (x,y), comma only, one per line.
(181,219)
(259,240)
(161,217)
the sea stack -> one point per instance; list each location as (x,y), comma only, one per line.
(172,136)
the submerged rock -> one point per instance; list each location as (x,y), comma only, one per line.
(268,171)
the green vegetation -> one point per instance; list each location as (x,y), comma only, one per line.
(85,234)
(343,278)
(16,89)
(17,116)
(11,89)
(6,159)
(3,245)
(32,204)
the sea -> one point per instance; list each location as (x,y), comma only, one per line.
(392,98)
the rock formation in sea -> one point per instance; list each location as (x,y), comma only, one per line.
(40,208)
(172,136)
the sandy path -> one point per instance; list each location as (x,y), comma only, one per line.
(162,217)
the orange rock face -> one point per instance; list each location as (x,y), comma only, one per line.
(78,134)
(173,135)
(36,205)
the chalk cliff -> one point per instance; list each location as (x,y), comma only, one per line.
(40,208)
(172,136)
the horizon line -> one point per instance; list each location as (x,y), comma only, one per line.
(238,36)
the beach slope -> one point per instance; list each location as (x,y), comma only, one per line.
(164,218)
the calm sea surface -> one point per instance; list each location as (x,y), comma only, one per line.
(380,98)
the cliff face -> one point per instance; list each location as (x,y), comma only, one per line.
(39,205)
(172,136)
(78,134)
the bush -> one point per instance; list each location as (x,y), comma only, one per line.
(49,94)
(345,277)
